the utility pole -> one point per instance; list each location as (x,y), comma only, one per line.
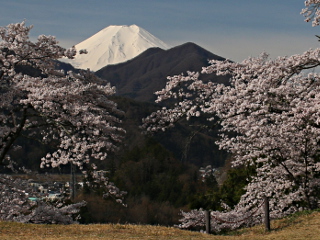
(207,220)
(266,214)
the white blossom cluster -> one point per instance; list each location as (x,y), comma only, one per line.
(311,12)
(272,107)
(101,180)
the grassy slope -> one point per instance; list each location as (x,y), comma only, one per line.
(304,226)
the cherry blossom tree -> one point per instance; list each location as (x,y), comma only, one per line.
(73,111)
(270,119)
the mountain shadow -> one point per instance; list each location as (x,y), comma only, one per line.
(147,73)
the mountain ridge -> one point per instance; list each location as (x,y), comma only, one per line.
(147,73)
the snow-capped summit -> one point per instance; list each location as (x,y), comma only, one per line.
(112,45)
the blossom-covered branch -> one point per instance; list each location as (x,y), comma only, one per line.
(74,109)
(311,12)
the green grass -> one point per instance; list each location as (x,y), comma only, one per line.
(300,226)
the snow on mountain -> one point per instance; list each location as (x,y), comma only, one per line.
(112,45)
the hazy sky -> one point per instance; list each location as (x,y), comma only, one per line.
(234,29)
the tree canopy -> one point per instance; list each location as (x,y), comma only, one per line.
(72,112)
(270,118)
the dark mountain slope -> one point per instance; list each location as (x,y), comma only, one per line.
(140,77)
(188,141)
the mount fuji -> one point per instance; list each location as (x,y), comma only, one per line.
(113,45)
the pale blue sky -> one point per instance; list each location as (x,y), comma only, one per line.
(234,29)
